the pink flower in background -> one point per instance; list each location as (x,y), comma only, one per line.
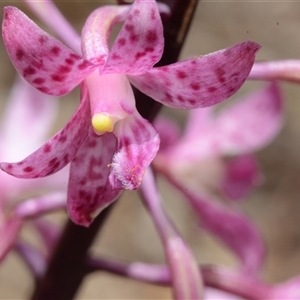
(107,142)
(29,115)
(213,160)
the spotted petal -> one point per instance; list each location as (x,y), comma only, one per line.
(42,60)
(138,145)
(231,227)
(241,176)
(199,82)
(29,113)
(140,42)
(89,189)
(47,12)
(250,124)
(97,28)
(58,151)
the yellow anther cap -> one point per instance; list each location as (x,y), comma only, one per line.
(102,123)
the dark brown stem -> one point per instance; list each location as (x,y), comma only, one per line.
(67,266)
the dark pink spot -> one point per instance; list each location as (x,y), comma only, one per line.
(181,75)
(69,61)
(211,89)
(62,139)
(66,159)
(139,55)
(149,49)
(136,12)
(43,89)
(75,56)
(64,69)
(58,77)
(129,27)
(192,101)
(220,74)
(151,36)
(29,71)
(115,56)
(133,38)
(38,80)
(180,98)
(52,161)
(153,15)
(83,65)
(195,86)
(122,41)
(28,169)
(42,39)
(47,148)
(9,166)
(169,96)
(20,54)
(55,50)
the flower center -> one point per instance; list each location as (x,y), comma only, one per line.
(102,123)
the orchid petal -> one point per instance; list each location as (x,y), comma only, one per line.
(58,151)
(168,132)
(199,82)
(288,70)
(47,12)
(199,120)
(37,206)
(29,113)
(8,234)
(43,61)
(138,145)
(89,189)
(231,227)
(241,176)
(140,42)
(96,31)
(237,132)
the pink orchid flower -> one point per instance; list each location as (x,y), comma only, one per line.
(30,114)
(195,163)
(107,142)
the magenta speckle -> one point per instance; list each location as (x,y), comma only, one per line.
(20,54)
(211,89)
(62,139)
(58,77)
(129,27)
(139,55)
(47,148)
(151,36)
(55,50)
(29,71)
(28,169)
(133,38)
(83,65)
(69,61)
(195,86)
(38,80)
(181,75)
(122,41)
(43,89)
(42,39)
(64,69)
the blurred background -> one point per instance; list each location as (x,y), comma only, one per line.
(129,234)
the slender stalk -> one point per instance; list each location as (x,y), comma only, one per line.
(67,267)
